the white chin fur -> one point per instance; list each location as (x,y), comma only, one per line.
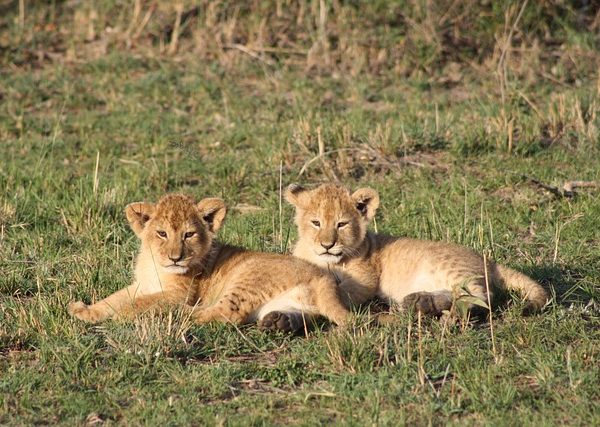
(176,269)
(329,258)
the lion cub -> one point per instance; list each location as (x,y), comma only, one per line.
(425,275)
(180,262)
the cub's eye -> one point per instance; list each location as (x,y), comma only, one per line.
(316,223)
(162,234)
(189,234)
(342,224)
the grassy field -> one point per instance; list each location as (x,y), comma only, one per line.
(468,119)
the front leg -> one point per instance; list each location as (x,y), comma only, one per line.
(106,308)
(125,303)
(88,313)
(329,300)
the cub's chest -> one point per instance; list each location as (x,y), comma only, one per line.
(148,281)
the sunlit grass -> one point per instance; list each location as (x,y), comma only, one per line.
(87,127)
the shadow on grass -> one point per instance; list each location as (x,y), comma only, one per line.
(563,283)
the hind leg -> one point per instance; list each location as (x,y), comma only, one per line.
(229,309)
(473,299)
(286,321)
(428,303)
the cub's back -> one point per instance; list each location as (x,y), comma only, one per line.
(421,265)
(270,270)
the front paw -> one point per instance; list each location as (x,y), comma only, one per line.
(85,312)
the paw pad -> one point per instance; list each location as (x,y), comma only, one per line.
(277,321)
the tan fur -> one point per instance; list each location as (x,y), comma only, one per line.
(427,275)
(180,263)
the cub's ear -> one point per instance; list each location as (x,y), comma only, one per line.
(367,202)
(213,212)
(138,214)
(294,194)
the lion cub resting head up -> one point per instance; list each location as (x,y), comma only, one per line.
(180,262)
(176,234)
(332,223)
(425,275)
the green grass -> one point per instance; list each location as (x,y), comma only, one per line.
(82,136)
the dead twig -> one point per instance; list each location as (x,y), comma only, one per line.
(279,50)
(320,156)
(373,157)
(568,188)
(249,51)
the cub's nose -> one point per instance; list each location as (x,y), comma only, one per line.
(327,245)
(176,258)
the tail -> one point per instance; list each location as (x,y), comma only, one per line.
(532,291)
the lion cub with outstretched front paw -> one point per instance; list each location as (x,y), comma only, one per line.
(425,275)
(181,263)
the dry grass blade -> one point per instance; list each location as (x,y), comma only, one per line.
(175,34)
(489,305)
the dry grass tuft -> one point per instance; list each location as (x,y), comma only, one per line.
(412,38)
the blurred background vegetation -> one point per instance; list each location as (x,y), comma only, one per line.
(555,40)
(525,56)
